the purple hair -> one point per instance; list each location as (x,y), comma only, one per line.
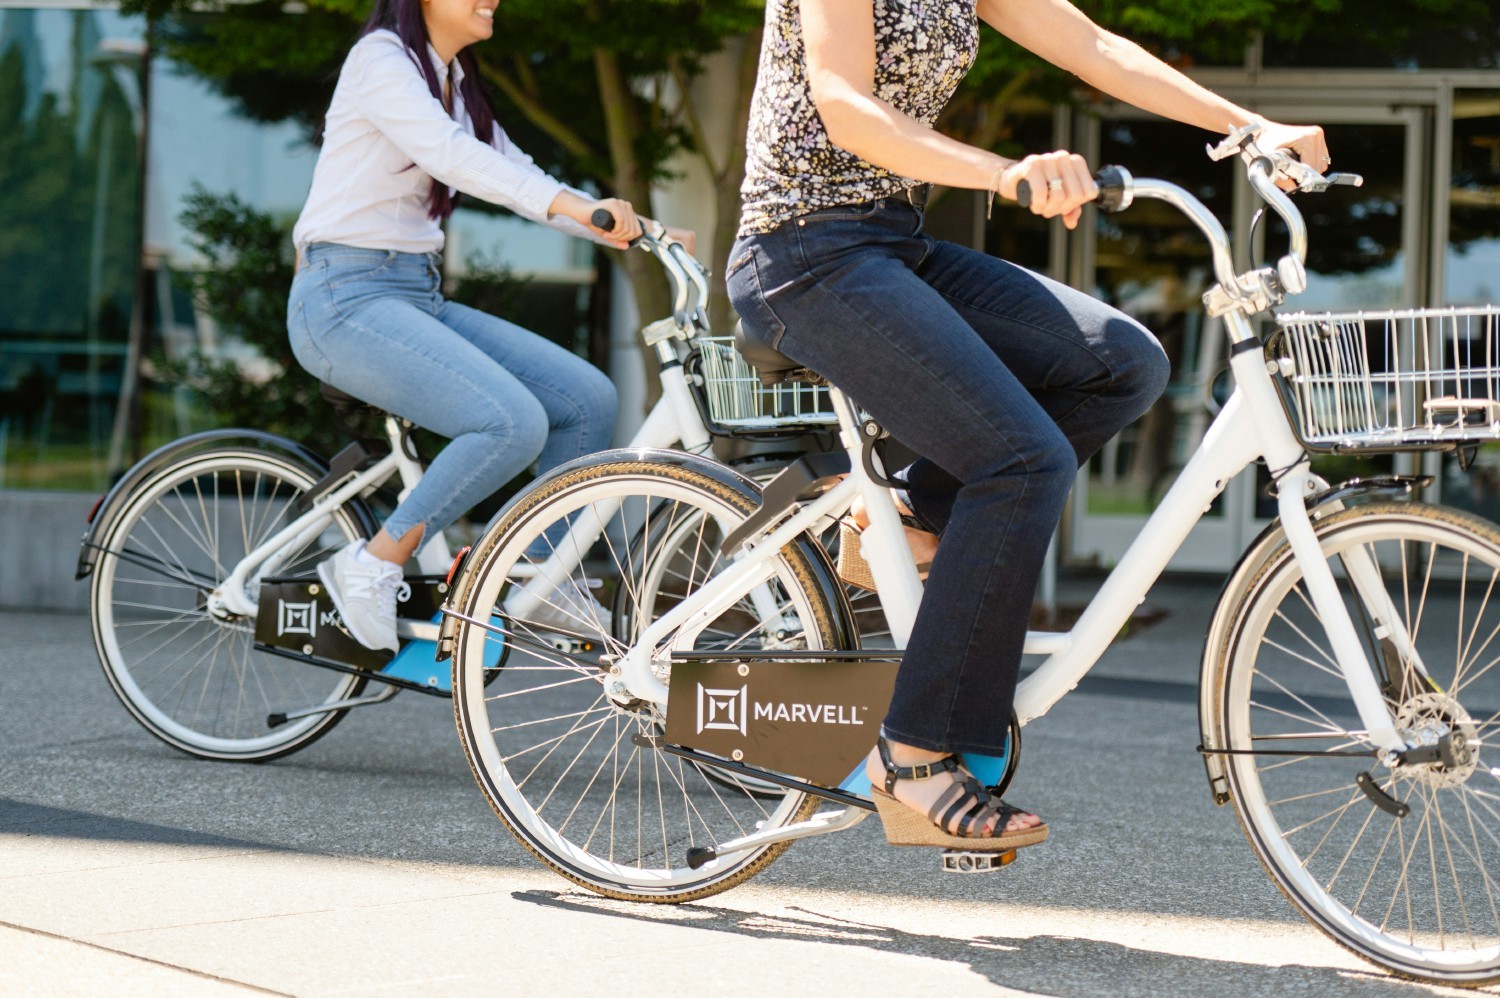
(404,17)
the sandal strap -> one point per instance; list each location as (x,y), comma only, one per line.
(968,803)
(949,803)
(924,771)
(977,820)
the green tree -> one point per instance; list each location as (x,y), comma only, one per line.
(599,91)
(602,90)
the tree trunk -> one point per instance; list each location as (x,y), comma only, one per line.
(652,297)
(727,186)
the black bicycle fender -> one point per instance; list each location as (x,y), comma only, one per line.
(109,507)
(827,580)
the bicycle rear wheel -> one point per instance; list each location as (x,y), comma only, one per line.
(1419,894)
(191,678)
(557,754)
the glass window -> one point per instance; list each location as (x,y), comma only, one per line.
(1154,265)
(71,121)
(1472,266)
(202,144)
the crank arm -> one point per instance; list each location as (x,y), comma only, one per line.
(818,824)
(278,719)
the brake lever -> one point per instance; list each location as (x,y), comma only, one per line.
(1335,180)
(1233,142)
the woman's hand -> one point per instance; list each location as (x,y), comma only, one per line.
(1060,182)
(1306,142)
(627,227)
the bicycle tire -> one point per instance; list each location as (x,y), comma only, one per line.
(505,730)
(190,678)
(1429,909)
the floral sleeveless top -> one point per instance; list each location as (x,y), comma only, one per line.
(923,48)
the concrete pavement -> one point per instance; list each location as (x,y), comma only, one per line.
(369,863)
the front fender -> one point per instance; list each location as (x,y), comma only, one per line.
(108,509)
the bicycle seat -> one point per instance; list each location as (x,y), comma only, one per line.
(773,366)
(347,405)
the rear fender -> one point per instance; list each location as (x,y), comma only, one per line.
(824,576)
(108,510)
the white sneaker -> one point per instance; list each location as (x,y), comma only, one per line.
(571,609)
(365,590)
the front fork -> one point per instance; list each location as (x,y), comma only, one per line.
(1322,589)
(1294,482)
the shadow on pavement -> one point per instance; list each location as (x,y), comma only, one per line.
(20,818)
(1045,965)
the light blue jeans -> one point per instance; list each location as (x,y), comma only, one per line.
(374,323)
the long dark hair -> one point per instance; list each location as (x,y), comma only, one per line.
(404,17)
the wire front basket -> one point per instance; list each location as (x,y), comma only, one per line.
(737,399)
(1399,380)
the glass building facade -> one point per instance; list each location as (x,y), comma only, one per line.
(103,143)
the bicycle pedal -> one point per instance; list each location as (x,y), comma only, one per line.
(969,861)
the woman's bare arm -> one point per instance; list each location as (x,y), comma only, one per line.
(1060,33)
(839,37)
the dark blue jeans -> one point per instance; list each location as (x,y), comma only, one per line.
(1003,381)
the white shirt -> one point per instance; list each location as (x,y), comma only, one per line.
(366,191)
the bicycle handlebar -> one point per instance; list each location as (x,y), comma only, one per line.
(1114,183)
(1118,189)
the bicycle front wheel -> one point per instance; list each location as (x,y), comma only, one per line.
(559,754)
(190,677)
(1399,863)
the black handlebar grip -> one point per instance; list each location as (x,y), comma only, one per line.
(602,219)
(1112,181)
(1114,189)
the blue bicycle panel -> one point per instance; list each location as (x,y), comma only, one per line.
(987,769)
(417,662)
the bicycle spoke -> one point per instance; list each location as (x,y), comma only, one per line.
(557,734)
(1414,891)
(193,678)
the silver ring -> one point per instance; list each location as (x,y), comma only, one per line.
(1055,184)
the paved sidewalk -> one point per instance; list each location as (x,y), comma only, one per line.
(370,864)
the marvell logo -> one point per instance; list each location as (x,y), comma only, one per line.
(809,713)
(297,618)
(722,710)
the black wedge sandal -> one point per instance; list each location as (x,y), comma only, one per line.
(905,826)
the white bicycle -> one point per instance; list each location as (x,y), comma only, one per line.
(1349,686)
(209,622)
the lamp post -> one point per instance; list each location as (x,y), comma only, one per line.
(135,55)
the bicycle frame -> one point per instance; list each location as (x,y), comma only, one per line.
(674,420)
(1251,426)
